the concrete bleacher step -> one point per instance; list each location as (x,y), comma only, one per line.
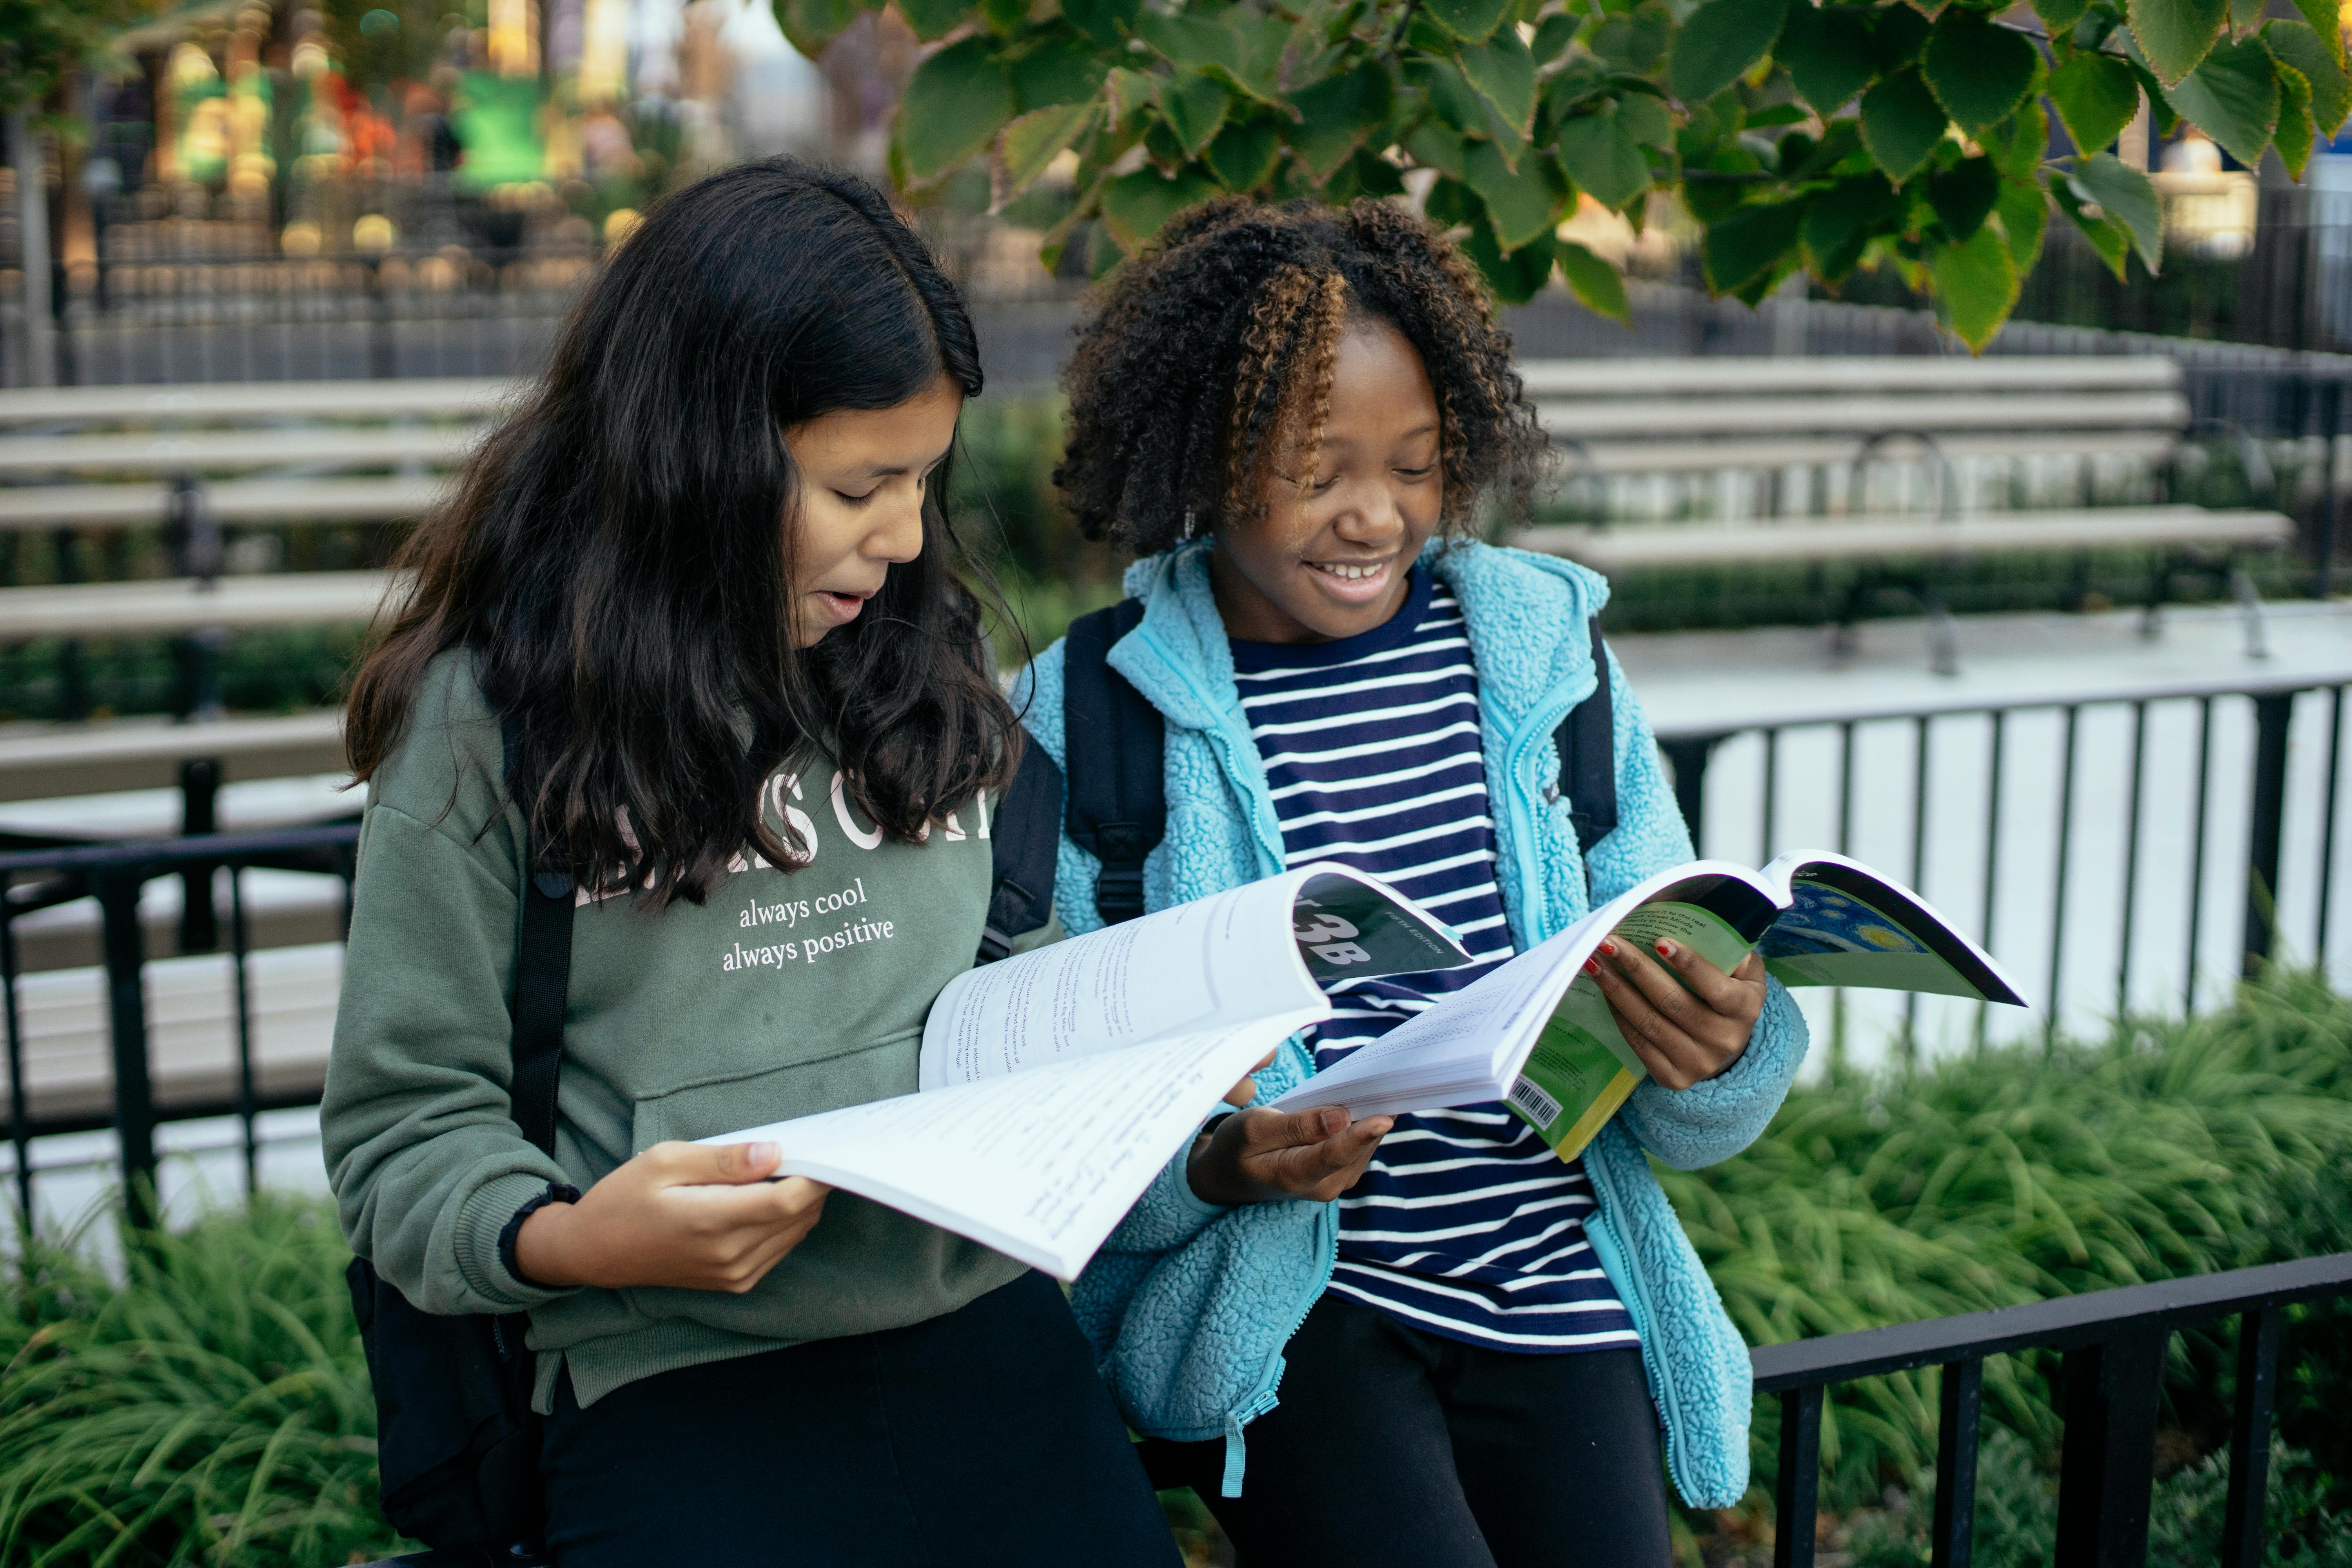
(221,402)
(1809,540)
(142,503)
(214,451)
(192,1030)
(44,761)
(183,604)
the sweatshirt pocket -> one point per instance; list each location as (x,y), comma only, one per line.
(741,1098)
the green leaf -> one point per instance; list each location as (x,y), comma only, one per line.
(956,103)
(1004,15)
(2108,237)
(2176,35)
(810,25)
(1186,38)
(1059,68)
(1897,34)
(1136,206)
(2127,197)
(1195,106)
(1749,243)
(1976,285)
(1504,73)
(1469,20)
(1634,40)
(2019,144)
(1434,146)
(2024,213)
(1515,277)
(1839,226)
(1979,70)
(1719,42)
(1243,155)
(1649,120)
(2234,98)
(1594,283)
(1365,174)
(2295,44)
(2096,96)
(1522,203)
(1553,36)
(1107,22)
(1827,51)
(1453,204)
(1902,123)
(1963,195)
(935,18)
(1030,142)
(1604,156)
(1339,114)
(2295,137)
(2327,25)
(2058,15)
(2245,15)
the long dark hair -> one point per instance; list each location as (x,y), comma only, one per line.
(617,560)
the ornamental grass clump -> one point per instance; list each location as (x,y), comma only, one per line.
(211,1407)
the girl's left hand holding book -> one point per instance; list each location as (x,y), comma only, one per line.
(1687,1020)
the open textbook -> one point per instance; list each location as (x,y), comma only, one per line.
(1055,1085)
(1538,1034)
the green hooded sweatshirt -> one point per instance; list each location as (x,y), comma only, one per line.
(779,995)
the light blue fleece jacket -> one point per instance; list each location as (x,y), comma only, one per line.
(1189,1306)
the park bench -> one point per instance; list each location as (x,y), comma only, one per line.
(127,456)
(152,778)
(1613,419)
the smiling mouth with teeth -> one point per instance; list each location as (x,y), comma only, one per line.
(1350,573)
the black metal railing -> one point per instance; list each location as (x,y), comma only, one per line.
(115,875)
(2114,1344)
(2281,905)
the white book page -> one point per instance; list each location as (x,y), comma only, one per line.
(1467,1048)
(1041,1166)
(1221,960)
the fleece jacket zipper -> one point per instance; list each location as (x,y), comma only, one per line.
(1263,1398)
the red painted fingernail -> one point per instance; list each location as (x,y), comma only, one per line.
(1665,949)
(1609,947)
(1591,966)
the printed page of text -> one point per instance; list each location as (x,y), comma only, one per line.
(1221,960)
(1041,1167)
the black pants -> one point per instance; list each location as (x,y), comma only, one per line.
(1394,1448)
(978,1438)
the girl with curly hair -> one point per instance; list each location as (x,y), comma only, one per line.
(1296,417)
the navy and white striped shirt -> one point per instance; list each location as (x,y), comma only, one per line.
(1466,1224)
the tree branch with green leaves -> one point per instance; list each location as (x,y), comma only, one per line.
(1798,137)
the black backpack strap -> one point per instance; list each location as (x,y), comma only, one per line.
(543,986)
(1022,841)
(1587,741)
(1113,738)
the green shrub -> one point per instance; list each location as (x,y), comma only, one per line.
(2007,1176)
(212,1408)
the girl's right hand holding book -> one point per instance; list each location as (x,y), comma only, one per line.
(1257,1155)
(701,1218)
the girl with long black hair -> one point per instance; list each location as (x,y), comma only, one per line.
(691,632)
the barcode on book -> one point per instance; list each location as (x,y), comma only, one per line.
(1540,1108)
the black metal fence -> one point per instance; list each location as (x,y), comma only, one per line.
(2114,1344)
(115,875)
(2038,842)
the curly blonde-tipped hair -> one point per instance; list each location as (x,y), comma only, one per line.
(1210,362)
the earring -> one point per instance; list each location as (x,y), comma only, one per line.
(1192,524)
